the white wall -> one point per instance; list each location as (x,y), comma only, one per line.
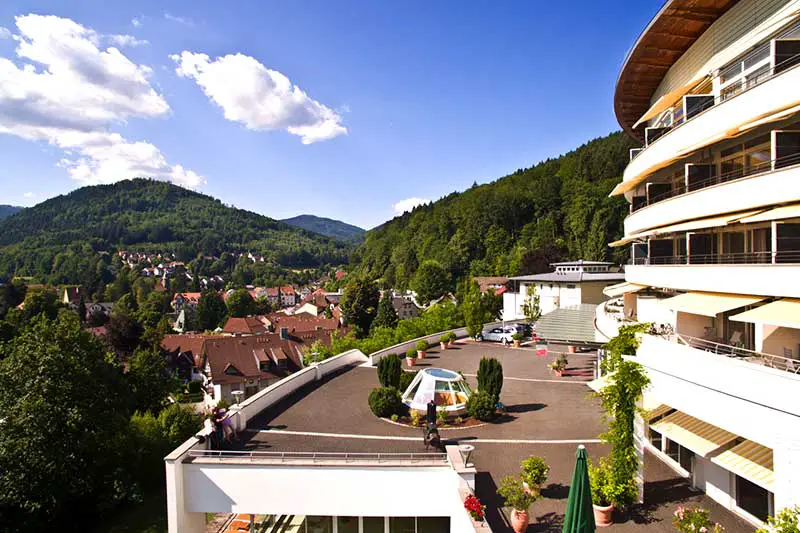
(762,280)
(649,309)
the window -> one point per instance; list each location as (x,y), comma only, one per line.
(401,524)
(752,498)
(433,524)
(349,524)
(319,524)
(679,454)
(656,439)
(372,524)
(571,286)
(745,72)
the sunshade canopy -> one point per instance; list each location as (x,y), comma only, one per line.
(779,213)
(700,437)
(579,517)
(751,461)
(612,291)
(656,412)
(784,313)
(669,99)
(708,303)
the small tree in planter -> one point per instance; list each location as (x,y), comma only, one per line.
(422,347)
(443,341)
(411,357)
(559,365)
(534,474)
(605,494)
(517,338)
(389,370)
(513,492)
(490,377)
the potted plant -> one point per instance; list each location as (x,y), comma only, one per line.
(559,365)
(476,510)
(422,347)
(451,339)
(786,521)
(517,338)
(534,474)
(516,497)
(411,357)
(443,341)
(601,483)
(694,520)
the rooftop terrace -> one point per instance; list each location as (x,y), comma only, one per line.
(547,416)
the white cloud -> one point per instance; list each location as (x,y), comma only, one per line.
(136,21)
(180,20)
(5,33)
(27,195)
(408,204)
(127,40)
(75,94)
(258,97)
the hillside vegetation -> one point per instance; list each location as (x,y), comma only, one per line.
(327,226)
(558,209)
(56,240)
(8,210)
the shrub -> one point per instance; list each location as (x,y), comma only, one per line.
(694,520)
(517,336)
(385,401)
(422,345)
(405,380)
(607,487)
(444,338)
(414,417)
(389,371)
(786,521)
(560,364)
(194,387)
(441,416)
(411,353)
(481,406)
(459,420)
(395,417)
(513,492)
(534,471)
(452,336)
(490,377)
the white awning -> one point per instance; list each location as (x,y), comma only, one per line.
(779,213)
(751,461)
(783,313)
(669,99)
(612,291)
(700,437)
(708,303)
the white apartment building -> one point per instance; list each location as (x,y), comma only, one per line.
(712,89)
(571,284)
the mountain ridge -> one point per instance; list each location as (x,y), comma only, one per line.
(7,210)
(327,226)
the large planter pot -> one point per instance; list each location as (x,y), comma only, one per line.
(450,344)
(517,343)
(519,521)
(603,515)
(571,348)
(443,345)
(410,361)
(420,354)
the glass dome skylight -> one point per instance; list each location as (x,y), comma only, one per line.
(447,389)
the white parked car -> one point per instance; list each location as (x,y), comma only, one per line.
(497,334)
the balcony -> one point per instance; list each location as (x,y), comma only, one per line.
(740,353)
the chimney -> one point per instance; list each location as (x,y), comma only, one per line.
(284,334)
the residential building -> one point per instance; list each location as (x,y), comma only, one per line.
(491,282)
(571,284)
(185,300)
(405,307)
(711,90)
(245,326)
(288,296)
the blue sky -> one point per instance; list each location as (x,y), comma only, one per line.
(334,109)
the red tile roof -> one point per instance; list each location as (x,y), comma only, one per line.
(248,325)
(301,322)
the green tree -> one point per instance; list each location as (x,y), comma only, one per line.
(359,304)
(431,281)
(531,308)
(389,369)
(82,309)
(124,331)
(149,379)
(387,316)
(240,303)
(37,302)
(490,377)
(64,406)
(478,308)
(210,310)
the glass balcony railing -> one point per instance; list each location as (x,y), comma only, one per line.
(746,258)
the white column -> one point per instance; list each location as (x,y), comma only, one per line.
(786,463)
(774,243)
(639,439)
(179,520)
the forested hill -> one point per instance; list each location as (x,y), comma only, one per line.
(558,209)
(54,239)
(8,210)
(327,226)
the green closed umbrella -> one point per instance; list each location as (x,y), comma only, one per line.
(580,515)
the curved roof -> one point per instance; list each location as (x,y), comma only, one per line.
(676,26)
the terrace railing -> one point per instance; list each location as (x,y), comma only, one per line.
(745,258)
(329,458)
(736,352)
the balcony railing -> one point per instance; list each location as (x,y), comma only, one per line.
(739,174)
(330,458)
(747,258)
(736,352)
(730,92)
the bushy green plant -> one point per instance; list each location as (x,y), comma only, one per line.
(441,416)
(422,345)
(606,490)
(481,406)
(194,387)
(451,336)
(786,521)
(490,377)
(405,380)
(415,417)
(389,369)
(560,363)
(444,338)
(385,401)
(395,417)
(513,492)
(459,420)
(625,343)
(694,520)
(517,336)
(411,353)
(534,471)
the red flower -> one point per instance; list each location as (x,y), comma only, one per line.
(474,507)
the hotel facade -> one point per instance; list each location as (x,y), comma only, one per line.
(711,88)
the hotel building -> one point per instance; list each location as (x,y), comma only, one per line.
(711,88)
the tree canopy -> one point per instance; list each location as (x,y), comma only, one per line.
(359,304)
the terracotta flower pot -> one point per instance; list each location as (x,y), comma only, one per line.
(516,343)
(443,345)
(450,344)
(603,515)
(519,521)
(410,361)
(420,354)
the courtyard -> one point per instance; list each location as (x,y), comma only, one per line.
(546,416)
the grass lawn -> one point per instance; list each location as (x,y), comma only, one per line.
(150,516)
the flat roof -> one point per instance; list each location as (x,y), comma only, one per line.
(573,277)
(676,27)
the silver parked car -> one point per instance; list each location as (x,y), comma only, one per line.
(497,334)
